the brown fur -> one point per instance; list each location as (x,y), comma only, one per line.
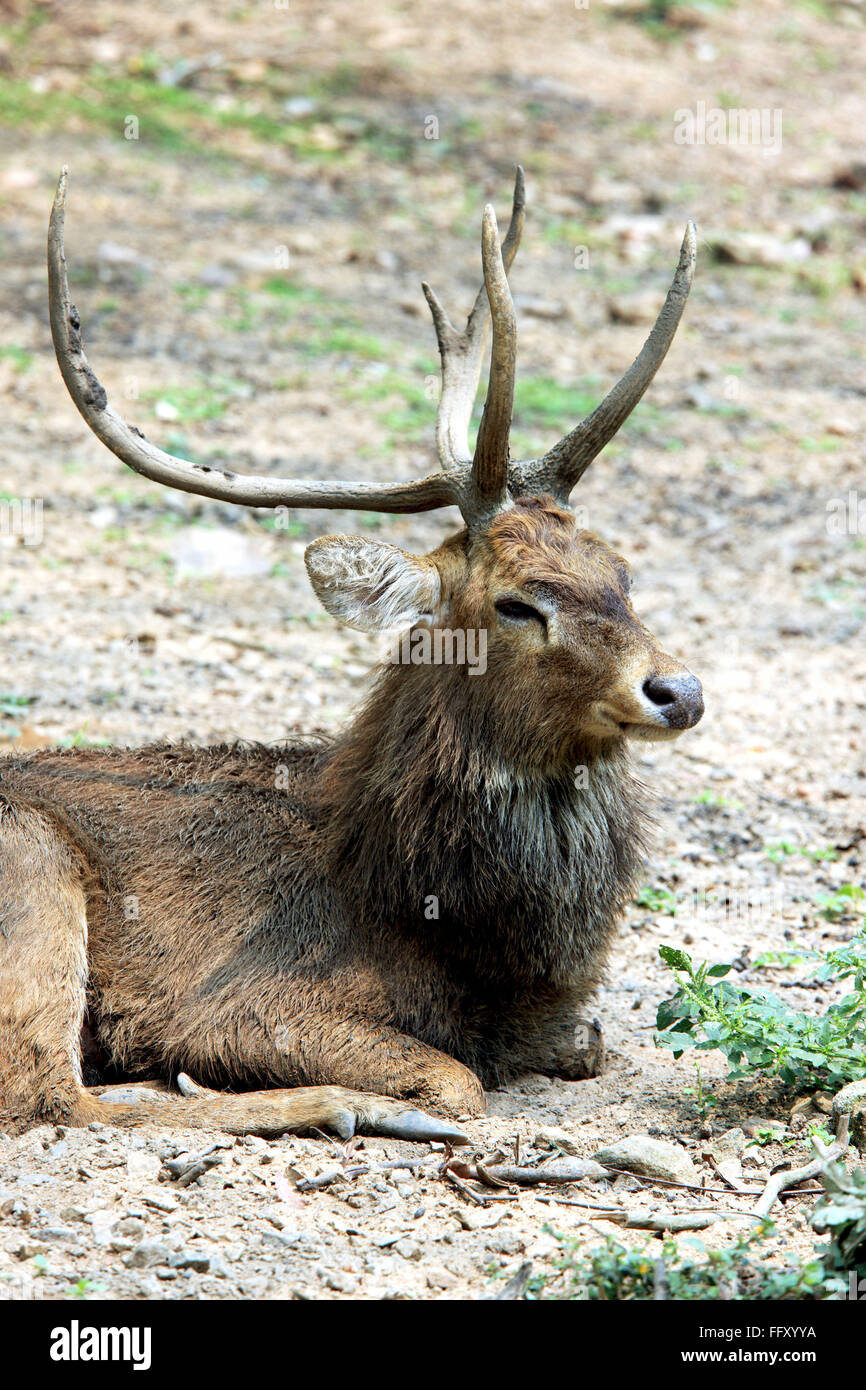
(413,909)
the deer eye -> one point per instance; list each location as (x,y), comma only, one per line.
(520,612)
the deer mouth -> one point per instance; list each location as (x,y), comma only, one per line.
(649,733)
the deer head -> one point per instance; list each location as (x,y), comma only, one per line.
(569,664)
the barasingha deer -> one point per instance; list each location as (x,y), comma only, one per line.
(350,934)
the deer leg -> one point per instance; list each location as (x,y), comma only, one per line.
(567,1046)
(578,1051)
(276,1112)
(43,970)
(375,1078)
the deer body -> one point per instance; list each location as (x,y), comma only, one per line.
(392,918)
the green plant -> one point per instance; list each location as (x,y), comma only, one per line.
(842,1212)
(783,849)
(686,1270)
(708,798)
(840,904)
(657,899)
(85,1288)
(758,1032)
(703,1103)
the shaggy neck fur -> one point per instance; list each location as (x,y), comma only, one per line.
(435,828)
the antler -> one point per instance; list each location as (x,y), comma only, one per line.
(478,485)
(131,447)
(563,465)
(461,354)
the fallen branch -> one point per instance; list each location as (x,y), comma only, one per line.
(844,1102)
(557,1170)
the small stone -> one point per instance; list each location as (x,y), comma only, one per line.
(552,1138)
(141,1164)
(730,1168)
(162,1203)
(147,1254)
(651,1158)
(728,1145)
(409,1249)
(756,1125)
(627,1182)
(130,1227)
(477,1219)
(198,1260)
(74,1214)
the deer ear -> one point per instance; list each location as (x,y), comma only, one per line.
(371,585)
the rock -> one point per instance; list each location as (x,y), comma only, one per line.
(148,1254)
(760,248)
(57,1233)
(759,1124)
(74,1214)
(217,551)
(141,1164)
(198,1260)
(730,1168)
(626,1182)
(338,1280)
(130,1227)
(728,1145)
(553,1138)
(162,1202)
(640,307)
(477,1219)
(441,1279)
(409,1249)
(650,1158)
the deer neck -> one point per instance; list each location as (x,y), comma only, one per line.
(431,826)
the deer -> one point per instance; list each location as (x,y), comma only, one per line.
(359,933)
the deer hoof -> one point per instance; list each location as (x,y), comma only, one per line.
(416,1125)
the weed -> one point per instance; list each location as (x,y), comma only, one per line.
(758,1032)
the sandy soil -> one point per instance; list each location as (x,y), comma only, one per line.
(268,137)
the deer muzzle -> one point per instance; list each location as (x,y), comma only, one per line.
(678,699)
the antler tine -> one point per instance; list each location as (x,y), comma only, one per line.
(131,447)
(563,465)
(461,353)
(490,464)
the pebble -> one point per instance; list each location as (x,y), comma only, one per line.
(147,1254)
(552,1138)
(141,1164)
(652,1158)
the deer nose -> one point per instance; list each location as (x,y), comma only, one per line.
(679,698)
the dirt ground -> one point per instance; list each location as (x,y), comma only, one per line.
(256,192)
